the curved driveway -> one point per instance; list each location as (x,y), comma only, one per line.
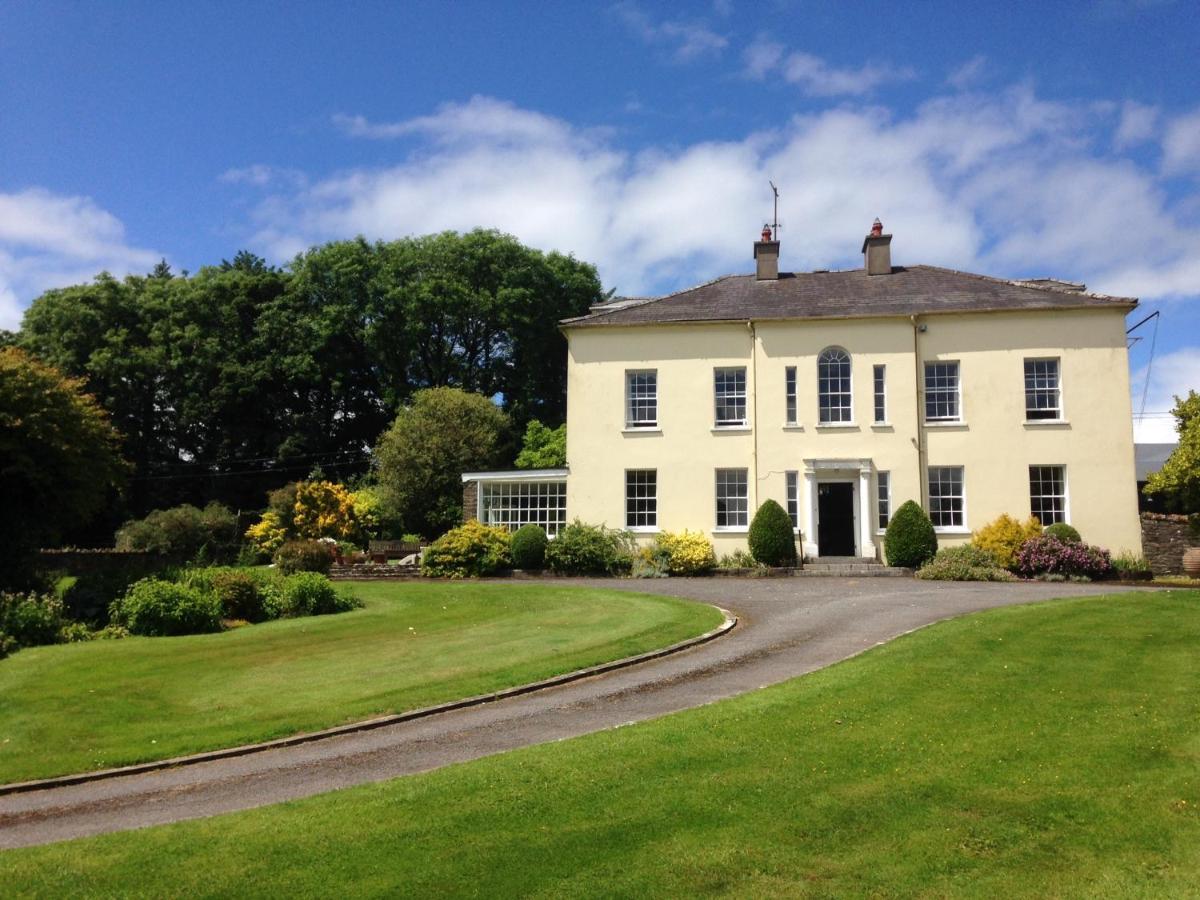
(788,626)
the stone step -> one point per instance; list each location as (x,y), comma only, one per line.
(852,570)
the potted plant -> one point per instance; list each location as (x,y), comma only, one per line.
(1191,556)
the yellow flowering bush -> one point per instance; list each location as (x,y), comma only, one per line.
(323,509)
(268,534)
(687,552)
(471,550)
(1003,538)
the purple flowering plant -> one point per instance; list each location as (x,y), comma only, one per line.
(1046,554)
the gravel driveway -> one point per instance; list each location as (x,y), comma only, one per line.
(787,627)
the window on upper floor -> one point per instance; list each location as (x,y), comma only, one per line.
(733,501)
(641,399)
(793,498)
(789,385)
(834,400)
(641,498)
(1048,493)
(942,395)
(729,392)
(880,395)
(883,497)
(947,497)
(1043,398)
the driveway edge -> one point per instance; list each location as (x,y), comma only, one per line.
(21,787)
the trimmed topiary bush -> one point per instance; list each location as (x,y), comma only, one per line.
(772,541)
(910,540)
(1063,532)
(685,552)
(471,550)
(1047,555)
(154,607)
(1003,538)
(304,556)
(965,563)
(582,549)
(529,548)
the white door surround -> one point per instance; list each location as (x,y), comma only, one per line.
(857,471)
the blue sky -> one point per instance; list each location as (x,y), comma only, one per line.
(1018,140)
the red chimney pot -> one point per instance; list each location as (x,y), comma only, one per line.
(877,229)
(766,235)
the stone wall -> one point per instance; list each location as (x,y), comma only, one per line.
(470,500)
(1164,538)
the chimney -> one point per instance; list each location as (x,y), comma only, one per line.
(877,250)
(766,257)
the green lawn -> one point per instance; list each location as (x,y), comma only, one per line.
(1040,751)
(75,707)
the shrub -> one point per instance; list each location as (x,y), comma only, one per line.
(183,533)
(965,563)
(1003,538)
(30,620)
(323,509)
(312,594)
(74,633)
(772,541)
(909,540)
(238,594)
(582,549)
(1063,532)
(156,607)
(89,597)
(738,559)
(268,534)
(1048,555)
(1131,567)
(652,561)
(686,552)
(529,547)
(304,556)
(471,550)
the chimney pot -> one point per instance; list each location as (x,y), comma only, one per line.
(766,257)
(877,251)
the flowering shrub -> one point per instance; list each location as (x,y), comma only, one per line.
(686,552)
(323,509)
(1047,555)
(1003,538)
(471,550)
(965,563)
(29,620)
(268,534)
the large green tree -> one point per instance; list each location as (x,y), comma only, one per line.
(1178,481)
(59,462)
(420,460)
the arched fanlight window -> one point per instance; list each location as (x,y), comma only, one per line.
(833,386)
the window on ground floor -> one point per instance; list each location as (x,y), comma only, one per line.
(947,500)
(883,496)
(641,498)
(733,501)
(793,498)
(1048,493)
(511,504)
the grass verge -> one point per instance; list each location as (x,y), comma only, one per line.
(1049,750)
(76,707)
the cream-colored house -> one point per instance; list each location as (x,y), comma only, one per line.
(841,394)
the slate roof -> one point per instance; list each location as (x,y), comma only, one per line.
(907,291)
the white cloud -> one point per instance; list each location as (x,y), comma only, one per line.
(1137,123)
(1171,375)
(260,175)
(966,75)
(689,40)
(1181,145)
(762,57)
(814,76)
(50,240)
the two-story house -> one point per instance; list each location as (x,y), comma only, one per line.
(841,394)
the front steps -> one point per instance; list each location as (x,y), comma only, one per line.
(850,567)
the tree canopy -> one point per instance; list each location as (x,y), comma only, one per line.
(1178,481)
(59,463)
(542,447)
(242,377)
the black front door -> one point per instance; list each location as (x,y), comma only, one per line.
(835,519)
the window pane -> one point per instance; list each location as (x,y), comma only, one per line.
(641,399)
(513,504)
(880,394)
(884,498)
(641,498)
(793,498)
(833,386)
(941,391)
(729,389)
(1048,493)
(1041,389)
(946,499)
(732,498)
(790,391)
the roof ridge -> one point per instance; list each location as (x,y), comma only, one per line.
(1023,283)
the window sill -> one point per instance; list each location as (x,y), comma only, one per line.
(731,429)
(882,426)
(642,529)
(837,426)
(958,529)
(649,431)
(793,426)
(741,529)
(957,423)
(1047,423)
